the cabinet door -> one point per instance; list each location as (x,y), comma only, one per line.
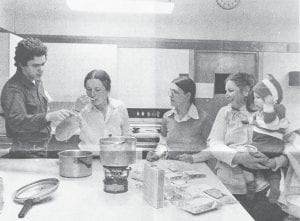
(213,67)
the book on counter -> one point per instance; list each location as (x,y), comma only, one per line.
(154,185)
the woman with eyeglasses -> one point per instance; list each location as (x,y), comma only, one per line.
(96,114)
(185,127)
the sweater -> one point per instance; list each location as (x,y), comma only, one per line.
(187,135)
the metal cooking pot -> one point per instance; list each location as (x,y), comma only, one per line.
(118,151)
(75,163)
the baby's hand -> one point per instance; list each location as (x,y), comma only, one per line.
(269,100)
(258,154)
(271,163)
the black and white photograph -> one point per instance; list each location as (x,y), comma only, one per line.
(153,110)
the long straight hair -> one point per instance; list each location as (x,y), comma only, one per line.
(242,81)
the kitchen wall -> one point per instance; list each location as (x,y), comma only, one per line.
(7,15)
(4,55)
(209,66)
(279,64)
(8,42)
(267,20)
(13,42)
(4,70)
(68,64)
(144,75)
(140,76)
(227,29)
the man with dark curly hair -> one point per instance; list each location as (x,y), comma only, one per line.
(25,102)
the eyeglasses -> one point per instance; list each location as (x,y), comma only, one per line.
(173,92)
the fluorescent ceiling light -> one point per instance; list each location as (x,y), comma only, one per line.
(123,6)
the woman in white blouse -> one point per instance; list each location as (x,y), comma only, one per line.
(96,114)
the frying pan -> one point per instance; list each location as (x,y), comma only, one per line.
(34,193)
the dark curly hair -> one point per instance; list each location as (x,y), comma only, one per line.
(243,80)
(27,49)
(100,75)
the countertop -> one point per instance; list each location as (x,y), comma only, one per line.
(79,199)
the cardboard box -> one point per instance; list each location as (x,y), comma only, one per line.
(154,185)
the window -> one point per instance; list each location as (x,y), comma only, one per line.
(220,82)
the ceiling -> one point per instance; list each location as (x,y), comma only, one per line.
(184,11)
(251,20)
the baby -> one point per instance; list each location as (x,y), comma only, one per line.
(269,127)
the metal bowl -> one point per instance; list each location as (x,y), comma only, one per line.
(75,163)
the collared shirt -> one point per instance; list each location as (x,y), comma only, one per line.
(92,125)
(227,132)
(25,106)
(184,135)
(95,126)
(192,113)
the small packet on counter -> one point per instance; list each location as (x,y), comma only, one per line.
(193,175)
(181,178)
(172,196)
(228,200)
(195,190)
(199,205)
(219,195)
(172,176)
(215,193)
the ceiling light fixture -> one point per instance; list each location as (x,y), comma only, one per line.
(123,6)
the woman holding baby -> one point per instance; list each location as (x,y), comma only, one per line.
(233,130)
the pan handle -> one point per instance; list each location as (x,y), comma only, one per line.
(127,170)
(79,160)
(27,205)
